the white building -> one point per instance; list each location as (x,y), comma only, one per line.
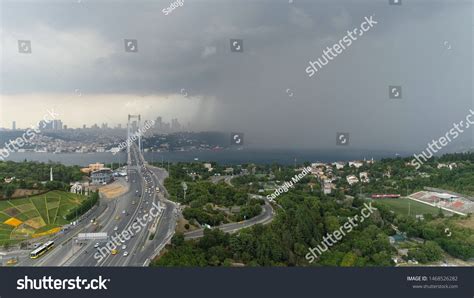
(328,187)
(76,188)
(364,177)
(208,166)
(351,179)
(102,176)
(356,164)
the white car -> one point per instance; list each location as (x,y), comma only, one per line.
(125,254)
(124,247)
(116,228)
(96,245)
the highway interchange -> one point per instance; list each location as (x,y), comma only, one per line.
(114,216)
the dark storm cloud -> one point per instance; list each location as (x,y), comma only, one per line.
(80,45)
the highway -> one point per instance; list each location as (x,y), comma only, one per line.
(125,213)
(118,215)
(132,209)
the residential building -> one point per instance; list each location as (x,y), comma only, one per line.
(351,179)
(102,176)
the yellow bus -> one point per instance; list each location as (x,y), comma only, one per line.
(41,250)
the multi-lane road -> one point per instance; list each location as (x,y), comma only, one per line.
(113,216)
(132,208)
(118,215)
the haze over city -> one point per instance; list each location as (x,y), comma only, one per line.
(184,68)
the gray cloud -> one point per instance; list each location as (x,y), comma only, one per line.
(80,46)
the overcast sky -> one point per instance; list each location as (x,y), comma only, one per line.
(79,67)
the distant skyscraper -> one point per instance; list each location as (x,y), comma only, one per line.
(84,126)
(175,126)
(56,124)
(14,125)
(159,123)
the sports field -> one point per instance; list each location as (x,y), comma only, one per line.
(35,216)
(405,206)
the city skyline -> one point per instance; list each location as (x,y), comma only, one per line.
(58,124)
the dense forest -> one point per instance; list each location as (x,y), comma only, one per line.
(301,222)
(207,201)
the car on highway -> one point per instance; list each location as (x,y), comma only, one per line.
(96,245)
(123,212)
(124,247)
(114,252)
(125,254)
(12,261)
(116,228)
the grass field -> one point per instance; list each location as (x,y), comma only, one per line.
(403,206)
(23,218)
